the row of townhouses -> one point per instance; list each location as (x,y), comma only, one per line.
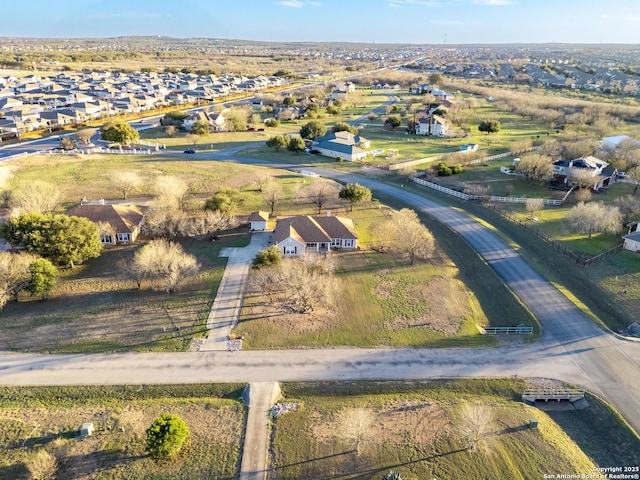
(50,102)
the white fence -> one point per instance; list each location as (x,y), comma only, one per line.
(440,188)
(507,330)
(492,198)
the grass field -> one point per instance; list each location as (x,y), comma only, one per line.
(94,309)
(423,430)
(40,432)
(381,300)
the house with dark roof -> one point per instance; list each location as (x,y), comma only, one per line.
(119,223)
(598,170)
(342,144)
(300,234)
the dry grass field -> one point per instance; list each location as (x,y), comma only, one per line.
(41,434)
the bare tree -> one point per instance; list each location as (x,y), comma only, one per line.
(37,196)
(125,181)
(319,195)
(261,179)
(404,231)
(164,220)
(633,176)
(85,135)
(520,146)
(535,166)
(583,194)
(594,217)
(533,205)
(170,190)
(170,130)
(629,208)
(193,139)
(14,274)
(582,178)
(475,425)
(272,195)
(166,261)
(414,237)
(578,149)
(356,425)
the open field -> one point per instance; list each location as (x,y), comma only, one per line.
(423,429)
(383,301)
(40,432)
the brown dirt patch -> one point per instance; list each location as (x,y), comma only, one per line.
(400,422)
(291,323)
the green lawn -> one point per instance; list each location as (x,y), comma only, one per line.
(418,429)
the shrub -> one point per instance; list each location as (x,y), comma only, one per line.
(166,435)
(267,257)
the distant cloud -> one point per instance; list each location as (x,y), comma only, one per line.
(126,15)
(290,3)
(493,3)
(405,3)
(297,3)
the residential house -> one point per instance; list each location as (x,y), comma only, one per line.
(632,239)
(432,125)
(342,144)
(600,170)
(119,223)
(258,221)
(300,234)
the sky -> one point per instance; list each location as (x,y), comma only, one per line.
(367,21)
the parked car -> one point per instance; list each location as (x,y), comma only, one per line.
(190,150)
(261,129)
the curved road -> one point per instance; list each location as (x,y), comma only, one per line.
(572,348)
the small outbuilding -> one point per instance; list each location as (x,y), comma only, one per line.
(258,221)
(86,429)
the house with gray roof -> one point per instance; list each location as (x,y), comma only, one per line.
(342,144)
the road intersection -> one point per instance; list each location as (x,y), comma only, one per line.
(572,348)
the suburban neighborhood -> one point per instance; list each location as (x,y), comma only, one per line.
(272,259)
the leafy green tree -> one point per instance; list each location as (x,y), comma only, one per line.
(120,133)
(43,277)
(489,126)
(200,128)
(296,144)
(444,170)
(288,100)
(64,240)
(333,110)
(267,257)
(224,201)
(345,127)
(278,142)
(355,193)
(175,117)
(393,121)
(166,436)
(271,122)
(313,130)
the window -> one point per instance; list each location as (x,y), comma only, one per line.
(124,237)
(106,239)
